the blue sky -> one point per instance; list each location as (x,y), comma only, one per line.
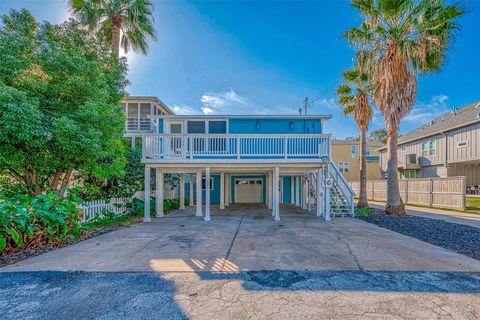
(232,57)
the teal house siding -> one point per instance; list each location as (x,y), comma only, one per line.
(275,126)
(214,194)
(287,190)
(160,125)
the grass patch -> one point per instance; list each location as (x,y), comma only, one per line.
(473,204)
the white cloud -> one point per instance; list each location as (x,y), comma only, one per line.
(223,102)
(425,111)
(181,109)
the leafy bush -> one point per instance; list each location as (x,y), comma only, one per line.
(28,222)
(363,212)
(137,205)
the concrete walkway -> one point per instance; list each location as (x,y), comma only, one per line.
(470,219)
(243,265)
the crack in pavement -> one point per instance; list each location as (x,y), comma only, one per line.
(232,242)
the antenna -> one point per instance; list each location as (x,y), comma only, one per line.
(305,106)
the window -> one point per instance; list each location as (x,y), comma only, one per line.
(196,126)
(354,150)
(217,127)
(204,181)
(461,144)
(369,151)
(175,128)
(144,113)
(410,174)
(343,167)
(429,148)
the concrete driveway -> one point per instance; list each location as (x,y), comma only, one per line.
(241,265)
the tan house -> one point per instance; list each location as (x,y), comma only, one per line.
(346,155)
(444,147)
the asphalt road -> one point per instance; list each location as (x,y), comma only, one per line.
(245,295)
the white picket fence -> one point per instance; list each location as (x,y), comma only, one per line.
(96,208)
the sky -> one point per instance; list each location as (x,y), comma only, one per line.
(265,57)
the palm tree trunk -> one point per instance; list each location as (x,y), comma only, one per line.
(362,201)
(116,24)
(394,204)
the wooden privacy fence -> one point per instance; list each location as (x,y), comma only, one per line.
(432,192)
(96,208)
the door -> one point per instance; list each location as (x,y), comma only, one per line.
(175,144)
(248,191)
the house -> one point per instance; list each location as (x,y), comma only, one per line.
(229,159)
(346,155)
(444,147)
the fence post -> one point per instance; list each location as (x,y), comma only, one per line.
(406,191)
(373,189)
(431,192)
(463,186)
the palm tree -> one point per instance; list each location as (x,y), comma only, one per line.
(405,38)
(353,95)
(128,23)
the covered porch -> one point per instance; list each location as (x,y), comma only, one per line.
(269,186)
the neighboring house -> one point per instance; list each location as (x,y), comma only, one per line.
(346,155)
(444,147)
(229,159)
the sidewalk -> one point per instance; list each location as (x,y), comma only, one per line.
(470,219)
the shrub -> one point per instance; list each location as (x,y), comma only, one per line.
(28,222)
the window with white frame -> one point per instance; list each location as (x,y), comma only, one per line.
(354,151)
(429,148)
(343,167)
(204,181)
(369,151)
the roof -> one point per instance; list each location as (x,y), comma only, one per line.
(370,143)
(453,119)
(148,98)
(249,116)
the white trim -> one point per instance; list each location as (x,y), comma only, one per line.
(260,116)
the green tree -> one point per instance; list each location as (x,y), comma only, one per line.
(379,135)
(404,38)
(59,104)
(353,96)
(126,23)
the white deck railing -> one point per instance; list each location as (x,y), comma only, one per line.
(235,146)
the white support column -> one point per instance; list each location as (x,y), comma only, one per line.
(297,191)
(267,190)
(222,190)
(146,212)
(304,193)
(182,190)
(227,189)
(191,183)
(207,194)
(319,194)
(309,202)
(198,213)
(276,199)
(292,190)
(270,190)
(133,142)
(326,194)
(159,192)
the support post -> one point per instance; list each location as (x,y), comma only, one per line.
(297,191)
(159,193)
(146,212)
(326,195)
(207,194)
(227,189)
(309,202)
(270,190)
(190,192)
(276,201)
(182,191)
(304,193)
(198,213)
(222,190)
(267,190)
(319,194)
(292,190)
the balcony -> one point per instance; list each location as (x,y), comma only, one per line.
(139,125)
(409,162)
(235,147)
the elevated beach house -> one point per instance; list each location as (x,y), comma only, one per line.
(443,147)
(266,160)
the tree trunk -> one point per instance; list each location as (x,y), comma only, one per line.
(65,180)
(55,180)
(116,24)
(394,204)
(362,201)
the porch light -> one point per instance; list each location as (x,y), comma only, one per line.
(258,124)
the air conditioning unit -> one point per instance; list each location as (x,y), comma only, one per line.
(411,158)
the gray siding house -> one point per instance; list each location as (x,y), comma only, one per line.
(444,147)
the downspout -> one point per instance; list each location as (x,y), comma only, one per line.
(445,160)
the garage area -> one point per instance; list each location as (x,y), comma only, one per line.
(248,190)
